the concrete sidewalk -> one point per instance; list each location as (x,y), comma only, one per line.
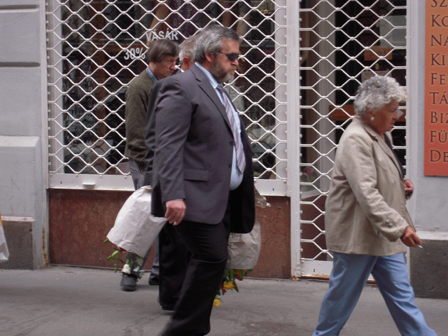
(68,301)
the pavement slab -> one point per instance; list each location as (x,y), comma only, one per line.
(73,301)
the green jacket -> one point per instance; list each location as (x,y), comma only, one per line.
(137,97)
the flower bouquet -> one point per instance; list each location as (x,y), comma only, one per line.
(229,283)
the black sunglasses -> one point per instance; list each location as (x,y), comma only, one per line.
(231,57)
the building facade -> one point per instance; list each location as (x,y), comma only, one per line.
(65,67)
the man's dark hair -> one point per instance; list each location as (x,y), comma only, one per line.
(161,48)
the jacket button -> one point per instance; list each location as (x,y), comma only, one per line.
(230,165)
(232,143)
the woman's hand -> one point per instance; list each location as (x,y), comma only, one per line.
(410,238)
(408,188)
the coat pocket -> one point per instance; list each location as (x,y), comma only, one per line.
(196,175)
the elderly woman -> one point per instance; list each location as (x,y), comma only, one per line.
(367,224)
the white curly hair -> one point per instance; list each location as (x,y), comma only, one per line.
(377,92)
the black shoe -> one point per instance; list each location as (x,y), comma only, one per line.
(167,307)
(128,282)
(153,280)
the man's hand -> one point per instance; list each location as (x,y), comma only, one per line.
(410,238)
(175,211)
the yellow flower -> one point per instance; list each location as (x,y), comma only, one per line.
(216,302)
(228,285)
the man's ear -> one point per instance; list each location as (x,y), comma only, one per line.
(187,61)
(209,56)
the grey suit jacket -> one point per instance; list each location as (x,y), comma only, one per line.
(193,154)
(365,212)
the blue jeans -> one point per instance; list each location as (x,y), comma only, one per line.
(348,277)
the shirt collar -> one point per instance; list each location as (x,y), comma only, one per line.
(210,77)
(151,74)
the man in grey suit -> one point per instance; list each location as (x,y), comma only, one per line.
(203,176)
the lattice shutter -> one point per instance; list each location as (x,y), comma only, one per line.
(342,43)
(95,48)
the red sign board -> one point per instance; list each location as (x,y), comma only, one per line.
(436,88)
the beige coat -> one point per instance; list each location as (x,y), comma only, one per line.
(366,205)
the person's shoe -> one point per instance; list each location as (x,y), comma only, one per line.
(167,307)
(153,280)
(128,282)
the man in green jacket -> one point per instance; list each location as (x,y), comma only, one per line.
(162,57)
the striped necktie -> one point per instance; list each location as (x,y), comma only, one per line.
(240,158)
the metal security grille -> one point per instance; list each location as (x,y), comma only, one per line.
(342,43)
(95,48)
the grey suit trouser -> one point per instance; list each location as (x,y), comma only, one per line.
(207,245)
(137,262)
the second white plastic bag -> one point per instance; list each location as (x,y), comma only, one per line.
(4,252)
(244,248)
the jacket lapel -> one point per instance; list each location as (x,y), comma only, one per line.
(389,151)
(381,143)
(205,86)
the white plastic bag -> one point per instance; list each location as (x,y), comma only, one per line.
(4,252)
(135,228)
(244,248)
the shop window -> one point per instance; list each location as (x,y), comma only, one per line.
(96,48)
(343,43)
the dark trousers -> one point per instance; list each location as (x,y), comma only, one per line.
(174,258)
(208,247)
